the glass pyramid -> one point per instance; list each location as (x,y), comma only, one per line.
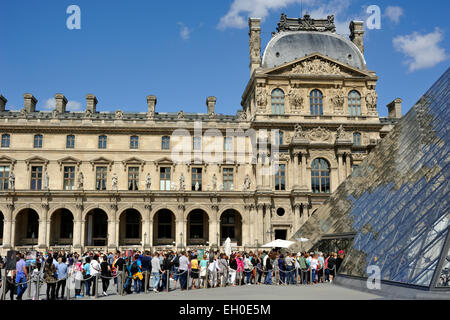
(395,205)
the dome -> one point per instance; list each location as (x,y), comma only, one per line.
(288,46)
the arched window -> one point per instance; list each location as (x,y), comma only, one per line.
(357,138)
(354,103)
(277,101)
(38,141)
(316,103)
(320,176)
(5,140)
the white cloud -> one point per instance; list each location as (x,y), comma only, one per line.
(185,32)
(394,13)
(240,10)
(73,106)
(422,51)
(336,8)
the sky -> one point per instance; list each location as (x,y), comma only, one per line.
(184,51)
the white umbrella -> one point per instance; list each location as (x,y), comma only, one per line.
(279,244)
(227,246)
(302,239)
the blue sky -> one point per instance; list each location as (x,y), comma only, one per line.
(184,51)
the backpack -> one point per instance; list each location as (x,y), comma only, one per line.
(176,261)
(134,268)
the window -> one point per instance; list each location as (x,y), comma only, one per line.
(357,139)
(134,142)
(70,142)
(69,178)
(164,179)
(133,178)
(196,225)
(316,103)
(36,178)
(197,143)
(132,225)
(280,178)
(165,225)
(228,144)
(277,101)
(227,179)
(5,140)
(279,137)
(354,103)
(38,141)
(102,142)
(165,145)
(100,178)
(320,176)
(4,177)
(197,178)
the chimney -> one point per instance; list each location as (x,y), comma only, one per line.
(91,103)
(357,34)
(255,43)
(29,102)
(395,108)
(211,103)
(61,103)
(3,102)
(151,102)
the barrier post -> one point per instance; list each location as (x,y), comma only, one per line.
(96,286)
(67,289)
(3,285)
(146,282)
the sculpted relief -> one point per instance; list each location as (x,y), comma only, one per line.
(317,66)
(319,135)
(261,99)
(296,100)
(371,101)
(337,101)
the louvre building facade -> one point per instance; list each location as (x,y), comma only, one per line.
(393,212)
(110,180)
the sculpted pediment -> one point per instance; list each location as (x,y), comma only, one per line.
(316,65)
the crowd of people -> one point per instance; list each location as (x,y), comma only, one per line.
(91,273)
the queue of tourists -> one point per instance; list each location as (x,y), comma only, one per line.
(91,274)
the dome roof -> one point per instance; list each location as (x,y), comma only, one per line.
(292,45)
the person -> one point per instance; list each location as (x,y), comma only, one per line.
(61,271)
(321,265)
(282,269)
(118,267)
(21,276)
(339,260)
(166,266)
(183,270)
(49,277)
(95,270)
(224,267)
(128,276)
(9,285)
(259,269)
(78,271)
(331,266)
(87,275)
(303,268)
(290,265)
(156,269)
(146,269)
(314,266)
(268,267)
(247,268)
(233,270)
(194,272)
(204,272)
(240,269)
(105,274)
(136,272)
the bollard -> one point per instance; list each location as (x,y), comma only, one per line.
(3,285)
(145,282)
(96,286)
(121,283)
(187,280)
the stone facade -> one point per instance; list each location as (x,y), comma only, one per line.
(112,180)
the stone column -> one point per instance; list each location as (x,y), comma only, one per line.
(180,229)
(267,171)
(77,241)
(47,237)
(304,177)
(295,160)
(246,223)
(147,228)
(347,163)
(296,210)
(42,236)
(113,242)
(13,233)
(7,225)
(83,233)
(213,230)
(340,168)
(258,171)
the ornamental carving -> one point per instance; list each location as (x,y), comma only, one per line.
(261,98)
(181,115)
(242,115)
(371,101)
(255,46)
(299,133)
(319,134)
(316,67)
(295,100)
(119,114)
(341,134)
(338,100)
(88,113)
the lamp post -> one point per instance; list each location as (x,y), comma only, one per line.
(32,241)
(181,239)
(218,240)
(145,240)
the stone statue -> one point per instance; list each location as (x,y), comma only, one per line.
(115,182)
(46,181)
(299,133)
(12,181)
(181,115)
(197,186)
(340,134)
(214,182)
(247,182)
(182,184)
(148,182)
(80,181)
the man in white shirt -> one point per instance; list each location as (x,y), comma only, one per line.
(95,269)
(183,270)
